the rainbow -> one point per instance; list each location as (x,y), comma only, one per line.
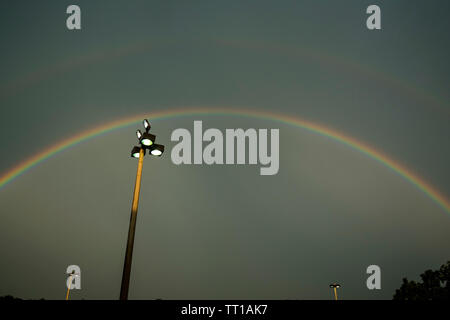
(110,54)
(353,143)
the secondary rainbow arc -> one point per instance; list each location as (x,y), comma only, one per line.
(353,143)
(103,55)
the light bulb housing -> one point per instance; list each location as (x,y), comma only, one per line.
(139,134)
(157,150)
(135,152)
(147,139)
(147,125)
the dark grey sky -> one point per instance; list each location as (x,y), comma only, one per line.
(223,231)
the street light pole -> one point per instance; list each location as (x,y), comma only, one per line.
(146,141)
(131,231)
(69,283)
(335,286)
(68,287)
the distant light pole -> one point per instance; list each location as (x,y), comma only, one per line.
(335,286)
(147,142)
(73,274)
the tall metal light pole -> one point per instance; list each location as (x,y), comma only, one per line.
(335,286)
(146,143)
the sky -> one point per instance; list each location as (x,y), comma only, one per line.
(223,232)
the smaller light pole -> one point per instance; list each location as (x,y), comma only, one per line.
(335,286)
(73,274)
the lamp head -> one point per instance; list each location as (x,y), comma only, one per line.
(147,139)
(146,125)
(135,152)
(157,149)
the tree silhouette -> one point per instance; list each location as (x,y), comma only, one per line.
(435,285)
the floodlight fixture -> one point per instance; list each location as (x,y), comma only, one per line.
(135,152)
(146,125)
(157,149)
(147,139)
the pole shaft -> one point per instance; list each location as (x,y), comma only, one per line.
(131,231)
(68,288)
(335,294)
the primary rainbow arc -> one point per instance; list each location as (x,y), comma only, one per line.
(353,143)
